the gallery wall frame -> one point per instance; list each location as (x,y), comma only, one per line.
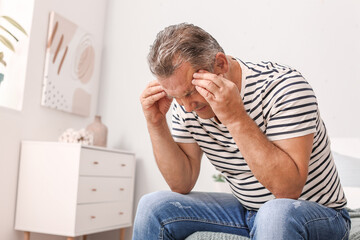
(69,82)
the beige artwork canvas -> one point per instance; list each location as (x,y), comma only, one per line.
(69,83)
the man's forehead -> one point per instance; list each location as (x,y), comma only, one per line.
(177,88)
(181,94)
(179,84)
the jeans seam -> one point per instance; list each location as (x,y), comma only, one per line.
(161,237)
(322,218)
(249,216)
(200,220)
(347,233)
(326,218)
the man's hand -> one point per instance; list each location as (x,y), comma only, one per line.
(155,103)
(222,94)
(179,163)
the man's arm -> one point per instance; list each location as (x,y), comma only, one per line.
(179,163)
(281,166)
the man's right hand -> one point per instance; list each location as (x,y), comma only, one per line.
(179,163)
(155,103)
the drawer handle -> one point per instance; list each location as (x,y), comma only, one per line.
(96,163)
(123,165)
(93,217)
(121,213)
(93,189)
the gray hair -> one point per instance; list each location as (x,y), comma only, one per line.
(182,43)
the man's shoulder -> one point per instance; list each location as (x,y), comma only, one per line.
(274,85)
(266,75)
(266,69)
(264,66)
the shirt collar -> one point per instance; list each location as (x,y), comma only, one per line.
(244,73)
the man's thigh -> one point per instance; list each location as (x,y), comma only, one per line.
(297,219)
(171,215)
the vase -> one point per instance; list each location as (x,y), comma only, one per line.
(99,130)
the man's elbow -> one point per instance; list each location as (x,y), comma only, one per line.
(290,194)
(181,190)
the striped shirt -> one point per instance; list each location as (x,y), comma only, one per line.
(283,105)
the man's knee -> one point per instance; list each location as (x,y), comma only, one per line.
(150,214)
(277,210)
(152,205)
(281,205)
(276,217)
(150,201)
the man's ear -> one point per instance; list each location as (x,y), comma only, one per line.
(221,63)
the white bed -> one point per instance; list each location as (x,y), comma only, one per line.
(346,152)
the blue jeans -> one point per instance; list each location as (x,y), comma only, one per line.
(169,215)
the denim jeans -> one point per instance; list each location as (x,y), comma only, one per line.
(168,215)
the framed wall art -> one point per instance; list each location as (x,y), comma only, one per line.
(69,82)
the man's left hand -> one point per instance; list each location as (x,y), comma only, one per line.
(222,94)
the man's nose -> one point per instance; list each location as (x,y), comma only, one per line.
(188,104)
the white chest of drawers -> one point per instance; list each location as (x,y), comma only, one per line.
(73,190)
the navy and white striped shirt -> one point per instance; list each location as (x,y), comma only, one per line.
(283,105)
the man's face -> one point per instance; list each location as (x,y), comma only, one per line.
(179,86)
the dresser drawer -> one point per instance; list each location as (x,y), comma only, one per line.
(102,163)
(104,189)
(102,215)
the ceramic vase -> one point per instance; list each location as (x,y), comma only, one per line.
(99,131)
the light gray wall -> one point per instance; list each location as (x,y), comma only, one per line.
(35,122)
(318,37)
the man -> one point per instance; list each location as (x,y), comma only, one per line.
(258,124)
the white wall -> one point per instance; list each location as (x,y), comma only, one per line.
(35,122)
(318,37)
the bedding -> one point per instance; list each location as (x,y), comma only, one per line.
(355,224)
(348,168)
(346,153)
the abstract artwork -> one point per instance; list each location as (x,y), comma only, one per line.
(69,82)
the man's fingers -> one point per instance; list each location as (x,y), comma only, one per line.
(205,93)
(154,83)
(206,84)
(151,90)
(153,93)
(217,80)
(152,99)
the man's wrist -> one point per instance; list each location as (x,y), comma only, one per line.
(239,123)
(157,126)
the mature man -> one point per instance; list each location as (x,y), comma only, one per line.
(258,124)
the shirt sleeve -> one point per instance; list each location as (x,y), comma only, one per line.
(179,131)
(293,110)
